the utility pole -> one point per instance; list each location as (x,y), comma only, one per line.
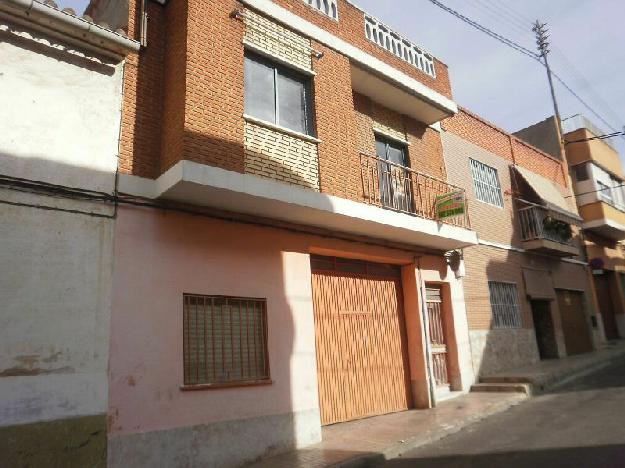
(540,29)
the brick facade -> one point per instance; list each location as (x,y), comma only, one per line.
(424,150)
(495,140)
(351,28)
(501,256)
(177,107)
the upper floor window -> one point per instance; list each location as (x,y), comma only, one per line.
(581,172)
(486,183)
(504,301)
(327,7)
(278,95)
(394,179)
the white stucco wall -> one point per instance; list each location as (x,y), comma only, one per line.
(60,120)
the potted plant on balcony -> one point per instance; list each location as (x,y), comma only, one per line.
(557,229)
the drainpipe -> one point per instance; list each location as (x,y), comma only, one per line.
(426,336)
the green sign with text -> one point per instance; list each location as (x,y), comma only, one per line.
(449,205)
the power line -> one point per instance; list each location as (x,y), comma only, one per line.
(519,48)
(494,35)
(600,137)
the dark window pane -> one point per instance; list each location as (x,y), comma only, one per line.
(260,95)
(292,102)
(380,148)
(396,155)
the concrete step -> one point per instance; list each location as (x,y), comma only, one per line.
(503,387)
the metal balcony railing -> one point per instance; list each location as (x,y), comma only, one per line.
(400,188)
(538,222)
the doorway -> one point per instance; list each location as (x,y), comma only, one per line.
(362,359)
(574,324)
(395,184)
(438,340)
(606,307)
(545,331)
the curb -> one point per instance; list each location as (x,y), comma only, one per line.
(558,381)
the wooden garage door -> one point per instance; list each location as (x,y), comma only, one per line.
(362,365)
(574,324)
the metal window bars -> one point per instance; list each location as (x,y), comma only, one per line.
(504,301)
(224,340)
(402,189)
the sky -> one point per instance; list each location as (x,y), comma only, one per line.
(502,85)
(506,87)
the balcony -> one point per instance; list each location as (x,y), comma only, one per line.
(546,231)
(604,218)
(398,188)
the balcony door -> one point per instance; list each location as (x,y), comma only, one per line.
(395,184)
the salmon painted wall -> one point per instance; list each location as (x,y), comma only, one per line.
(161,255)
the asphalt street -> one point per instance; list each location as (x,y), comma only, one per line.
(581,424)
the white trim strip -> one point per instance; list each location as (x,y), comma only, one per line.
(281,129)
(520,250)
(501,246)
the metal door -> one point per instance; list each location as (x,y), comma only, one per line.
(574,323)
(362,366)
(606,307)
(434,301)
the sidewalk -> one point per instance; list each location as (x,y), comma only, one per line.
(554,372)
(366,442)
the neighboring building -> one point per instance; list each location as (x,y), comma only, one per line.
(526,289)
(598,183)
(287,255)
(60,88)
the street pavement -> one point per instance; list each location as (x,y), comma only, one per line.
(581,424)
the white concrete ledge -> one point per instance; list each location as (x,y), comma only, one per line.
(606,227)
(198,184)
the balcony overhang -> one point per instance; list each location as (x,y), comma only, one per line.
(606,228)
(549,247)
(198,184)
(401,98)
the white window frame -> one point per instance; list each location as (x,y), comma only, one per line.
(506,314)
(486,184)
(605,192)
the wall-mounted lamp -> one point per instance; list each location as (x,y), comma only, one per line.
(455,260)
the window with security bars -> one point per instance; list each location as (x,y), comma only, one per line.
(504,301)
(225,340)
(486,183)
